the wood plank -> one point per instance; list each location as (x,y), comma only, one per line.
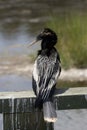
(17,102)
(71,91)
(71,102)
(19,112)
(30,94)
(25,121)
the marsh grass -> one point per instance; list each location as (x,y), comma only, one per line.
(32,57)
(71,29)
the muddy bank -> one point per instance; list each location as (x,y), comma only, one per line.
(23,66)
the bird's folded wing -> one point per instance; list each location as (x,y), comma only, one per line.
(45,75)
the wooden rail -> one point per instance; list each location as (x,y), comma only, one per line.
(19,112)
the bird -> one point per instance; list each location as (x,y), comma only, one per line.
(46,70)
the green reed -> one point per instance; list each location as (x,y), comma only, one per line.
(72,38)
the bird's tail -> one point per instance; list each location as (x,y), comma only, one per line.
(49,112)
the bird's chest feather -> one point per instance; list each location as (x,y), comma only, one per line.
(46,61)
(45,65)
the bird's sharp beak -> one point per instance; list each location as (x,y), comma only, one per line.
(32,43)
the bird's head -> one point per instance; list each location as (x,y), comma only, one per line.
(47,34)
(48,38)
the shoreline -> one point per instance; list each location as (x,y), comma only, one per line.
(22,65)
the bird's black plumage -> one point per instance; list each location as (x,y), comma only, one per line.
(47,68)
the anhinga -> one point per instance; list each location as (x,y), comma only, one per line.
(46,70)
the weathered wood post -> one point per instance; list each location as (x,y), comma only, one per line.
(19,112)
(22,115)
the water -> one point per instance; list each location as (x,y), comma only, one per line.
(14,83)
(20,22)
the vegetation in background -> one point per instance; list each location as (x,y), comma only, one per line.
(32,57)
(72,38)
(67,84)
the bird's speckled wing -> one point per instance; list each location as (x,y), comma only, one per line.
(45,74)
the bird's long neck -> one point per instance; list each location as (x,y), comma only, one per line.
(44,45)
(45,48)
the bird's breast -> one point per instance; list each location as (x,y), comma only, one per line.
(47,61)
